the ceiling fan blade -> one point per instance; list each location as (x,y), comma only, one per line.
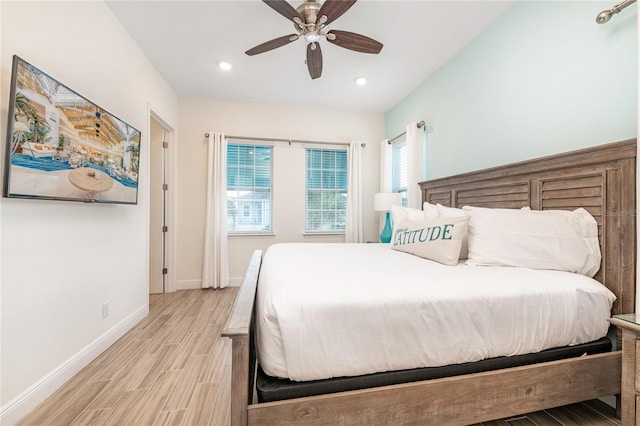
(314,60)
(334,9)
(353,41)
(272,44)
(284,9)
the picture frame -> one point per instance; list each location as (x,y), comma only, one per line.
(62,146)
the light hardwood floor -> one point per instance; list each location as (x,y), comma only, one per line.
(173,368)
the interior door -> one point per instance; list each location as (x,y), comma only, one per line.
(158,208)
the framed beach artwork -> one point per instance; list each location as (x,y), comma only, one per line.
(61,146)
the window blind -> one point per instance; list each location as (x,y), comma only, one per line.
(249,188)
(326,190)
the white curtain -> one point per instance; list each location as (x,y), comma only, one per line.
(385,166)
(215,261)
(415,173)
(354,230)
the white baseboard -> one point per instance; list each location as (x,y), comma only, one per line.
(197,284)
(24,403)
(189,284)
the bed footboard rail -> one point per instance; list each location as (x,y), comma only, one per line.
(454,401)
(239,329)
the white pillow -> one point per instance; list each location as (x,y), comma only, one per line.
(399,213)
(449,211)
(430,210)
(437,239)
(454,212)
(550,239)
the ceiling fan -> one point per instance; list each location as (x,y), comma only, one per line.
(310,20)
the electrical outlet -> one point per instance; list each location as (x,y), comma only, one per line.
(105,310)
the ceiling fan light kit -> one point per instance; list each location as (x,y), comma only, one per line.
(310,21)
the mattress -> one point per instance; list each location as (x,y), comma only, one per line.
(336,310)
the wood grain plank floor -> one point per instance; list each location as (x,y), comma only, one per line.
(173,368)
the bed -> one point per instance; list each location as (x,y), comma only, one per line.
(600,179)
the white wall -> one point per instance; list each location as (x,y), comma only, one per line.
(197,116)
(60,260)
(544,78)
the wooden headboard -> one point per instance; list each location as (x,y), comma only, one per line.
(602,179)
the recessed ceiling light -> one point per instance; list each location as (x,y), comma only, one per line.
(361,81)
(224,65)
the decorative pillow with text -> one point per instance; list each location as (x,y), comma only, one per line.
(438,239)
(444,211)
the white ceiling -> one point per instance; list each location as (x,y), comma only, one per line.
(186,39)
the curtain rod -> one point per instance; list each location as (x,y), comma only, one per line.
(390,141)
(605,15)
(253,138)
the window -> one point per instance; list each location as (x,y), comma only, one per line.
(399,169)
(326,199)
(248,188)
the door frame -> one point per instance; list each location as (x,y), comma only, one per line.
(171,173)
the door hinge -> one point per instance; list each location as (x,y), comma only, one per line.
(164,271)
(165,228)
(165,186)
(165,144)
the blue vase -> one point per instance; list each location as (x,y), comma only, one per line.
(385,235)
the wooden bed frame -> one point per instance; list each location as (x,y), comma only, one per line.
(601,179)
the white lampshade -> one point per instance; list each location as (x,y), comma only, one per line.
(383,201)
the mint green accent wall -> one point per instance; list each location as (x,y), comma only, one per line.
(543,79)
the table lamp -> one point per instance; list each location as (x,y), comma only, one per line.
(382,202)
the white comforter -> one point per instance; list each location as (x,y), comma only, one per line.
(331,310)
